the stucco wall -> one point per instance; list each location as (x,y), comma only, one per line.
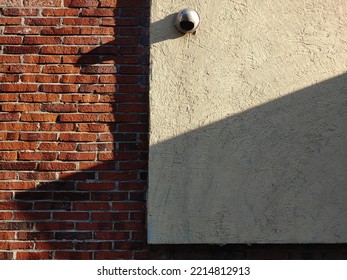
(248,123)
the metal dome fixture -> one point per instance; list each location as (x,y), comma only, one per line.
(187,20)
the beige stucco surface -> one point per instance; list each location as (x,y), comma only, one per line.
(248,126)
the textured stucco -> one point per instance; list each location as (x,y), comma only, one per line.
(248,123)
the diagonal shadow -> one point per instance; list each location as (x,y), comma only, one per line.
(273,174)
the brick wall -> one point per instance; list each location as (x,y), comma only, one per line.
(74,136)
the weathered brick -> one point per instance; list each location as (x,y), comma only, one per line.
(41,40)
(7,40)
(57,146)
(20,12)
(37,156)
(42,21)
(84,3)
(59,50)
(78,117)
(59,12)
(39,117)
(77,156)
(42,3)
(16,146)
(17,166)
(39,97)
(58,88)
(8,155)
(32,30)
(78,137)
(60,31)
(51,166)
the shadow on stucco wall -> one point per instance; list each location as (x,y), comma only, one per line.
(275,173)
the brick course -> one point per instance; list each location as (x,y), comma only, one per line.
(74,136)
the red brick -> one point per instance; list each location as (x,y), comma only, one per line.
(37,117)
(42,21)
(9,78)
(9,58)
(42,255)
(57,166)
(83,40)
(10,21)
(81,21)
(61,69)
(38,97)
(97,186)
(16,245)
(21,69)
(104,235)
(32,30)
(98,12)
(7,40)
(86,98)
(58,88)
(94,226)
(41,40)
(78,137)
(56,146)
(73,255)
(96,166)
(40,78)
(59,50)
(38,136)
(20,12)
(94,108)
(6,235)
(42,3)
(98,30)
(20,107)
(75,59)
(78,117)
(110,79)
(108,3)
(18,127)
(57,127)
(9,135)
(60,31)
(7,117)
(121,206)
(22,185)
(37,175)
(77,156)
(37,156)
(8,155)
(118,176)
(94,69)
(16,146)
(49,59)
(57,245)
(94,127)
(84,3)
(60,12)
(66,216)
(59,107)
(79,79)
(7,175)
(87,205)
(96,245)
(8,97)
(98,88)
(11,3)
